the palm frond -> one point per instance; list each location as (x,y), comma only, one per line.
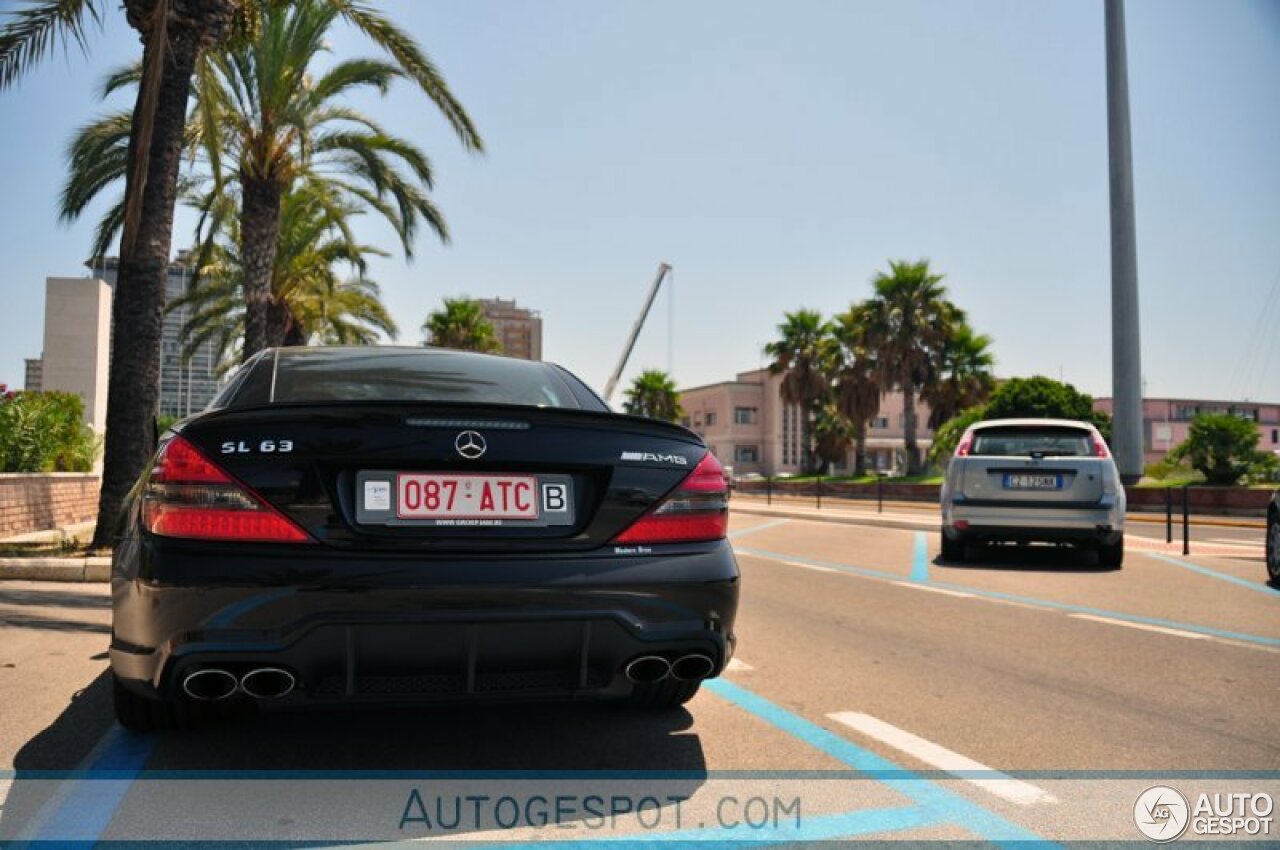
(30,34)
(409,56)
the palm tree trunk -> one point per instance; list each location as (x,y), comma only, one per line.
(259,236)
(909,426)
(860,450)
(174,32)
(137,309)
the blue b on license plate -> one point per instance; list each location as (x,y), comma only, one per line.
(1032,481)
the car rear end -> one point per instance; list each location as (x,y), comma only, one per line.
(374,526)
(1033,480)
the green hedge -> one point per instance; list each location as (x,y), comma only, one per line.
(44,432)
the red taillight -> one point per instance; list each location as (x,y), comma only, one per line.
(697,510)
(966,444)
(1099,447)
(189,496)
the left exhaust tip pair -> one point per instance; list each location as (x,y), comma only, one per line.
(211,683)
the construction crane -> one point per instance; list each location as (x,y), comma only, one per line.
(663,270)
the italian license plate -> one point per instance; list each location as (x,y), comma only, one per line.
(1032,481)
(461,499)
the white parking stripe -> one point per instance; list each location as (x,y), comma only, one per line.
(1143,626)
(932,589)
(1001,785)
(736,666)
(814,567)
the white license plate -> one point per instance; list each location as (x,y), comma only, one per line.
(1030,481)
(437,496)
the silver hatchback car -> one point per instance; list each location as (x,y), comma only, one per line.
(1033,480)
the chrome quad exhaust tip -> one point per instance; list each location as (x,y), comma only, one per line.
(267,683)
(692,668)
(648,668)
(210,684)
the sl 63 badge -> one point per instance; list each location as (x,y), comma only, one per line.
(240,447)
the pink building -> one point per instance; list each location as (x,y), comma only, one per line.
(1165,421)
(746,424)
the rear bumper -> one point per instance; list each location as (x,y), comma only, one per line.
(1102,524)
(376,631)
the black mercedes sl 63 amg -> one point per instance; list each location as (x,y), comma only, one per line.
(384,525)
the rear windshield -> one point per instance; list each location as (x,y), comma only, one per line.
(1032,442)
(409,375)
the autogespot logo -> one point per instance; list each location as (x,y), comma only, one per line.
(470,444)
(1161,813)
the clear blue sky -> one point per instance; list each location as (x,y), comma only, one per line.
(776,153)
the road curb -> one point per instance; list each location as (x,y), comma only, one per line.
(70,570)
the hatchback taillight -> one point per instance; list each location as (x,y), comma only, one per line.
(965,446)
(1099,446)
(189,496)
(697,510)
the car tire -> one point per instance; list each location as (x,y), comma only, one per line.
(1112,554)
(668,693)
(1273,546)
(952,550)
(142,714)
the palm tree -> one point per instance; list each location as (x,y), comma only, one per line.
(798,355)
(310,301)
(653,393)
(268,108)
(907,321)
(855,373)
(174,34)
(461,324)
(833,433)
(264,121)
(962,376)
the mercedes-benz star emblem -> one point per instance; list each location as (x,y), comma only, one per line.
(470,445)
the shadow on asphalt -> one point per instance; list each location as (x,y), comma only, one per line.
(1029,558)
(539,738)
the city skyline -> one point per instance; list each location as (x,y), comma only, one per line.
(780,169)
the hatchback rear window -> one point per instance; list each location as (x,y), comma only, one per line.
(1032,442)
(408,375)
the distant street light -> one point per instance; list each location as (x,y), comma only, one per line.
(1126,348)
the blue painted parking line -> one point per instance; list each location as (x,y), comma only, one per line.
(753,529)
(943,805)
(1220,576)
(84,811)
(1259,640)
(920,559)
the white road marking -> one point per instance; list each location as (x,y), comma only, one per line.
(813,567)
(1003,786)
(1016,603)
(736,666)
(1143,626)
(932,589)
(1249,544)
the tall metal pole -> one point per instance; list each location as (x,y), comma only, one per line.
(1126,349)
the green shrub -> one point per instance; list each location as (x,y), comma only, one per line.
(1040,397)
(44,432)
(1224,448)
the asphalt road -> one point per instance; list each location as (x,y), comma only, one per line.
(877,692)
